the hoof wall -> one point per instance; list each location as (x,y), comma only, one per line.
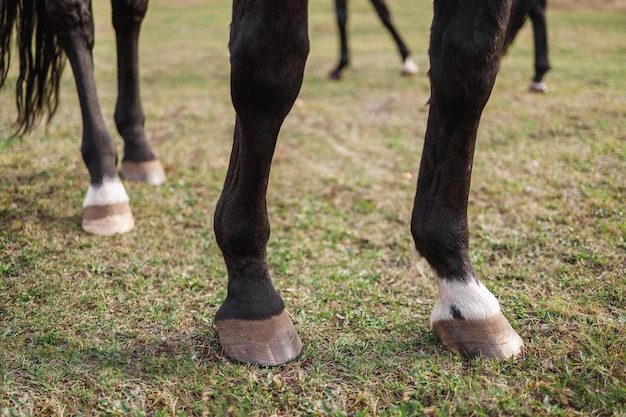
(334,75)
(538,87)
(150,172)
(268,342)
(490,338)
(106,220)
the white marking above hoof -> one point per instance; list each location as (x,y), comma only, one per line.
(111,191)
(469,300)
(540,87)
(149,172)
(409,67)
(106,209)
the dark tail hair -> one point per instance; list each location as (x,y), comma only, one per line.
(41,60)
(517,18)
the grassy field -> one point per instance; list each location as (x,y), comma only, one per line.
(123,325)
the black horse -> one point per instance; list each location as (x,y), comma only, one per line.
(520,11)
(269,45)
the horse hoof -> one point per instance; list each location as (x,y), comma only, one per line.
(334,75)
(150,172)
(490,338)
(268,342)
(409,67)
(106,220)
(540,87)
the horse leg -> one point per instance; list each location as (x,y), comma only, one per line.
(463,69)
(537,15)
(139,162)
(408,65)
(106,207)
(341,10)
(268,49)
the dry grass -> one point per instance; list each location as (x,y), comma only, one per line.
(123,325)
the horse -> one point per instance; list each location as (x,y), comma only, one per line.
(269,45)
(46,28)
(382,10)
(520,11)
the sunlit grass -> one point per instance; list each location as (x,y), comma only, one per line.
(123,325)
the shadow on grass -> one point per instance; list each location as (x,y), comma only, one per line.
(32,198)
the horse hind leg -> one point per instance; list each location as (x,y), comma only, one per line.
(537,15)
(409,67)
(106,206)
(467,316)
(341,11)
(139,162)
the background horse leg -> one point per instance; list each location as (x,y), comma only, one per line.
(268,49)
(139,162)
(465,48)
(106,207)
(341,10)
(408,66)
(537,15)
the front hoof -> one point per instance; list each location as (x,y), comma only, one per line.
(267,342)
(490,338)
(106,220)
(150,172)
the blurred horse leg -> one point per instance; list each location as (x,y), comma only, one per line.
(139,162)
(341,11)
(408,65)
(537,15)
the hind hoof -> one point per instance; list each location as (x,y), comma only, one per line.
(150,172)
(409,68)
(535,87)
(490,338)
(106,220)
(268,342)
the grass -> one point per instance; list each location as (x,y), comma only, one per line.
(123,325)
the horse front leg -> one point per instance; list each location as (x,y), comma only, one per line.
(106,206)
(463,69)
(268,49)
(408,65)
(139,162)
(341,12)
(537,15)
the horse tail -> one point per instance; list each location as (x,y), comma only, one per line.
(41,60)
(517,18)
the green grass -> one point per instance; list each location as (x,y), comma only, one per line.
(123,325)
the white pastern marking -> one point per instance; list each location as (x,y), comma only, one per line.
(409,67)
(111,191)
(471,299)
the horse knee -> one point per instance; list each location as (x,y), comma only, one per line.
(69,18)
(128,13)
(267,68)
